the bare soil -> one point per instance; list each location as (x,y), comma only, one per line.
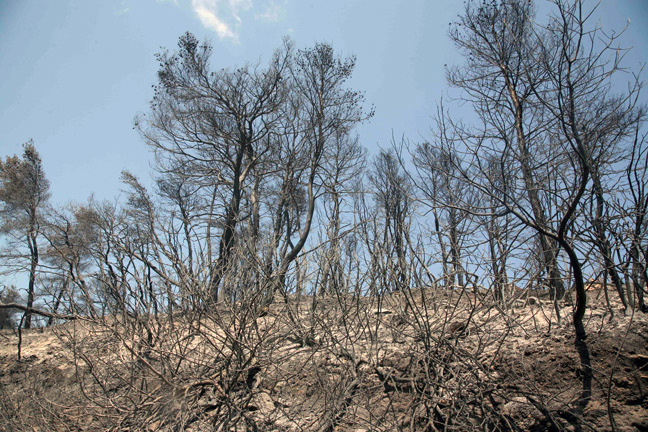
(416,362)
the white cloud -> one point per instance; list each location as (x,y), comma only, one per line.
(209,19)
(271,13)
(226,17)
(222,16)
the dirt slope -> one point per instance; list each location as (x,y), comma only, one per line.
(425,361)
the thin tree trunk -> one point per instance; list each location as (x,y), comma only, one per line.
(33,248)
(549,257)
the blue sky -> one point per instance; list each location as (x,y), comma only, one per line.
(74,73)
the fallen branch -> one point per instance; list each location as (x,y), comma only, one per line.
(37,311)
